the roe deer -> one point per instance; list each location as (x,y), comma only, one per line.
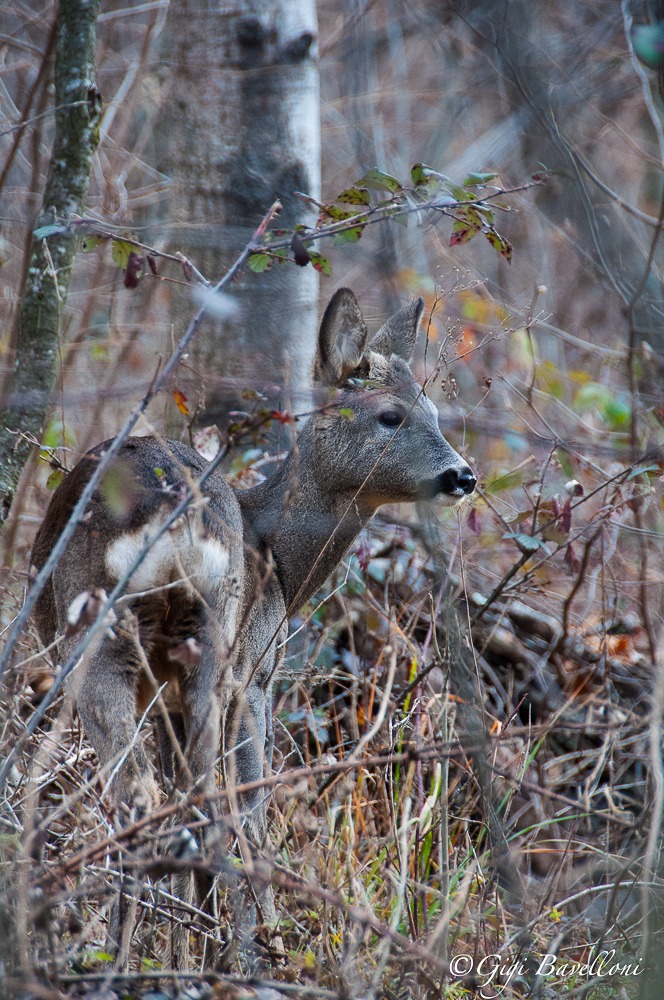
(213,594)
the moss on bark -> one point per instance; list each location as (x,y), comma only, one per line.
(77,121)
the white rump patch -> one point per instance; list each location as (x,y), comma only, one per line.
(182,553)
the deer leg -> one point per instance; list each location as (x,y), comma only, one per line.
(171,754)
(246,737)
(202,750)
(105,686)
(171,738)
(201,730)
(106,698)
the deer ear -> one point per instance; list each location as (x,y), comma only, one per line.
(342,339)
(399,334)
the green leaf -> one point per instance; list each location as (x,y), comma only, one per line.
(89,243)
(592,396)
(471,217)
(99,352)
(150,963)
(98,955)
(321,263)
(56,435)
(478,179)
(420,174)
(259,262)
(349,236)
(120,251)
(616,413)
(338,214)
(401,218)
(527,542)
(499,243)
(487,213)
(379,181)
(347,412)
(54,479)
(643,470)
(355,196)
(44,232)
(460,193)
(508,481)
(462,233)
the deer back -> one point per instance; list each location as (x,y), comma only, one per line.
(136,495)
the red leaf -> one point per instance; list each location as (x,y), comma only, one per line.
(473,521)
(566,520)
(282,416)
(461,236)
(321,264)
(181,402)
(134,270)
(572,559)
(499,243)
(363,553)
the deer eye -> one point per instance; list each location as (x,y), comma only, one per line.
(391,418)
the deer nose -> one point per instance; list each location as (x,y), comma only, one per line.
(457,481)
(467,481)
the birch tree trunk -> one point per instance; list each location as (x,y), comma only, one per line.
(77,118)
(240,129)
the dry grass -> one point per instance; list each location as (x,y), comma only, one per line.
(500,808)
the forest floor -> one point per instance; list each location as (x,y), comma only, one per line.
(464,791)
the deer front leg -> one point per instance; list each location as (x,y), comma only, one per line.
(246,737)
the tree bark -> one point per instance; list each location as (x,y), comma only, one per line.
(240,129)
(77,119)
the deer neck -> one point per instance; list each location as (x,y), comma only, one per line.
(306,529)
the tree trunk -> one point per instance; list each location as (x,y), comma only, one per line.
(240,129)
(530,66)
(77,118)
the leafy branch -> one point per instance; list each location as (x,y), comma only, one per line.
(129,254)
(375,197)
(472,206)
